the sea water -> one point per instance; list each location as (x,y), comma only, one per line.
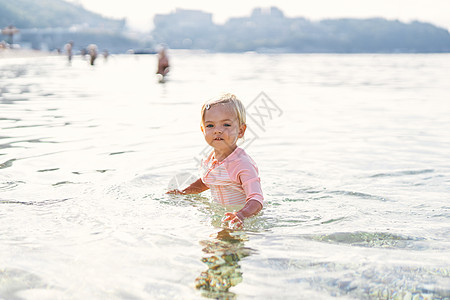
(354,160)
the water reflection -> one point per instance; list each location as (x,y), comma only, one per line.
(224,250)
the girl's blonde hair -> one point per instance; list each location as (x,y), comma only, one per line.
(226,99)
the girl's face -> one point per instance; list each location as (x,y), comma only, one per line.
(221,128)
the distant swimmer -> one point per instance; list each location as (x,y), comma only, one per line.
(83,53)
(92,50)
(163,65)
(105,54)
(68,49)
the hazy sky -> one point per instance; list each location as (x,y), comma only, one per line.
(139,13)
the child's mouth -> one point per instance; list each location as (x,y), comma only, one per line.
(218,139)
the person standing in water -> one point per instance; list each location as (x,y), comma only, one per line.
(163,63)
(92,50)
(69,51)
(228,171)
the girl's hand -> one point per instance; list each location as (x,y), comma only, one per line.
(234,221)
(195,188)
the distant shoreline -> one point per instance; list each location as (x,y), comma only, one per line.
(19,53)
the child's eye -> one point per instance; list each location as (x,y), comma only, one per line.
(209,126)
(227,125)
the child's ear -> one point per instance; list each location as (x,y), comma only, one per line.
(242,129)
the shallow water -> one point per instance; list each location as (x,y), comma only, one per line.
(353,152)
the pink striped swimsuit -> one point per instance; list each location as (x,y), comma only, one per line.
(234,180)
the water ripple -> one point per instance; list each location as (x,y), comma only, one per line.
(9,185)
(368,239)
(371,282)
(7,163)
(37,203)
(359,195)
(402,173)
(15,281)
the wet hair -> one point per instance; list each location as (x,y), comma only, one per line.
(225,99)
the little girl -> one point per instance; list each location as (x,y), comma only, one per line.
(228,171)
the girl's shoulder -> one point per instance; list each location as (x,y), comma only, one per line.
(239,159)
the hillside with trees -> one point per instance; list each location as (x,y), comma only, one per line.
(51,13)
(271,31)
(50,24)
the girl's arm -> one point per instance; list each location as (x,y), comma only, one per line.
(195,188)
(251,208)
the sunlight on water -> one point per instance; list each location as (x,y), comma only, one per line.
(353,157)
